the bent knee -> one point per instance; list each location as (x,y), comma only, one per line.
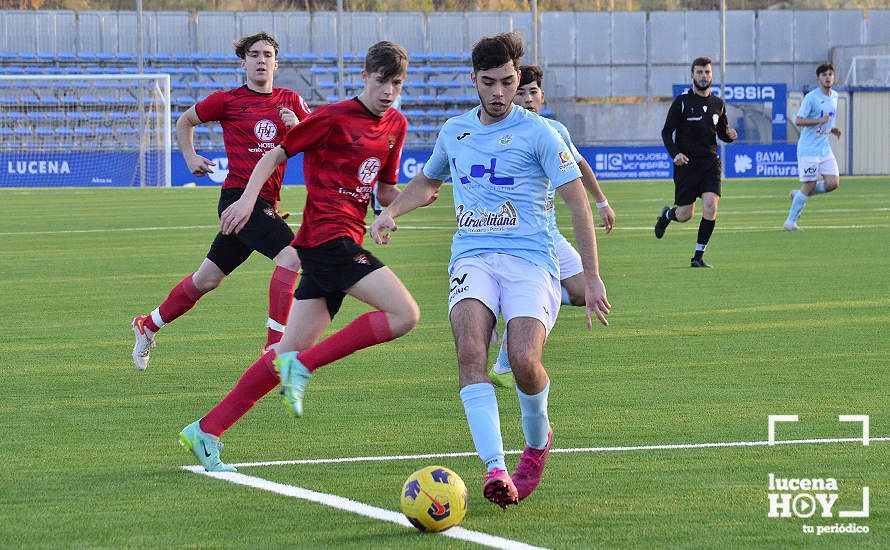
(402,322)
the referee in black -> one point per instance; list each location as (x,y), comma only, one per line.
(694,121)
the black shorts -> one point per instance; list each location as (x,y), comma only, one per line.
(265,231)
(701,175)
(332,268)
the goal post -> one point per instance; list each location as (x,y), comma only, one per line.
(868,71)
(85,130)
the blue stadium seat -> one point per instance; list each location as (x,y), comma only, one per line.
(37,115)
(46,56)
(4,131)
(48,100)
(83,131)
(117,115)
(23,131)
(7,56)
(14,115)
(55,115)
(91,100)
(86,56)
(104,131)
(8,100)
(30,100)
(44,131)
(326,84)
(185,100)
(14,69)
(66,57)
(124,56)
(126,131)
(28,56)
(52,70)
(104,56)
(76,115)
(95,115)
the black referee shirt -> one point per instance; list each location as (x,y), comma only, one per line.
(692,125)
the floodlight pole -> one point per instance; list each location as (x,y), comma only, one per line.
(341,72)
(723,75)
(534,4)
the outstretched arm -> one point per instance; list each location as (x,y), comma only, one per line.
(420,191)
(582,222)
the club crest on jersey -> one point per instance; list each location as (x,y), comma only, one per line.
(505,140)
(265,130)
(367,171)
(565,161)
(715,118)
(391,139)
(269,212)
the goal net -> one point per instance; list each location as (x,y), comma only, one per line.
(85,130)
(869,71)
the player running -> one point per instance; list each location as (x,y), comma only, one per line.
(503,160)
(571,272)
(815,117)
(348,146)
(254,119)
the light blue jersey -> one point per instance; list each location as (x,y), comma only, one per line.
(813,140)
(567,139)
(502,175)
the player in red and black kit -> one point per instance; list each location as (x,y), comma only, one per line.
(254,119)
(348,147)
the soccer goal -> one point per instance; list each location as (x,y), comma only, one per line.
(85,130)
(871,71)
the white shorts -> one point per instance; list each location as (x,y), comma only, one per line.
(569,259)
(810,168)
(507,285)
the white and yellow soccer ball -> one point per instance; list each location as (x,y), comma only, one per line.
(434,498)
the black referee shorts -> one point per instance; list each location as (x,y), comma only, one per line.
(701,175)
(265,231)
(332,268)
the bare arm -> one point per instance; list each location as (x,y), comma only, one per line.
(236,215)
(582,222)
(387,192)
(185,136)
(588,179)
(420,191)
(801,121)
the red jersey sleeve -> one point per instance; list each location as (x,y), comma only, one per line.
(212,107)
(390,171)
(308,134)
(301,108)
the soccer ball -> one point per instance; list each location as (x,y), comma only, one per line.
(434,498)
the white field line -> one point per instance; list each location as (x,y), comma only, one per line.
(573,450)
(355,507)
(483,539)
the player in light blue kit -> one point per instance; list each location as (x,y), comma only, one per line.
(815,118)
(502,160)
(571,273)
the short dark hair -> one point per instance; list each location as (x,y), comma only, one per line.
(387,58)
(497,50)
(243,44)
(700,62)
(825,67)
(529,74)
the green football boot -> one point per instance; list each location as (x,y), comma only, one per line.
(205,447)
(294,379)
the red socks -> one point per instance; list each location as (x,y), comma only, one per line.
(281,296)
(363,332)
(256,382)
(181,299)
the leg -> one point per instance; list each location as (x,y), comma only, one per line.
(472,323)
(180,300)
(798,203)
(396,314)
(281,292)
(705,227)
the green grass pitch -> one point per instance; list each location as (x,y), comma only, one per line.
(784,324)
